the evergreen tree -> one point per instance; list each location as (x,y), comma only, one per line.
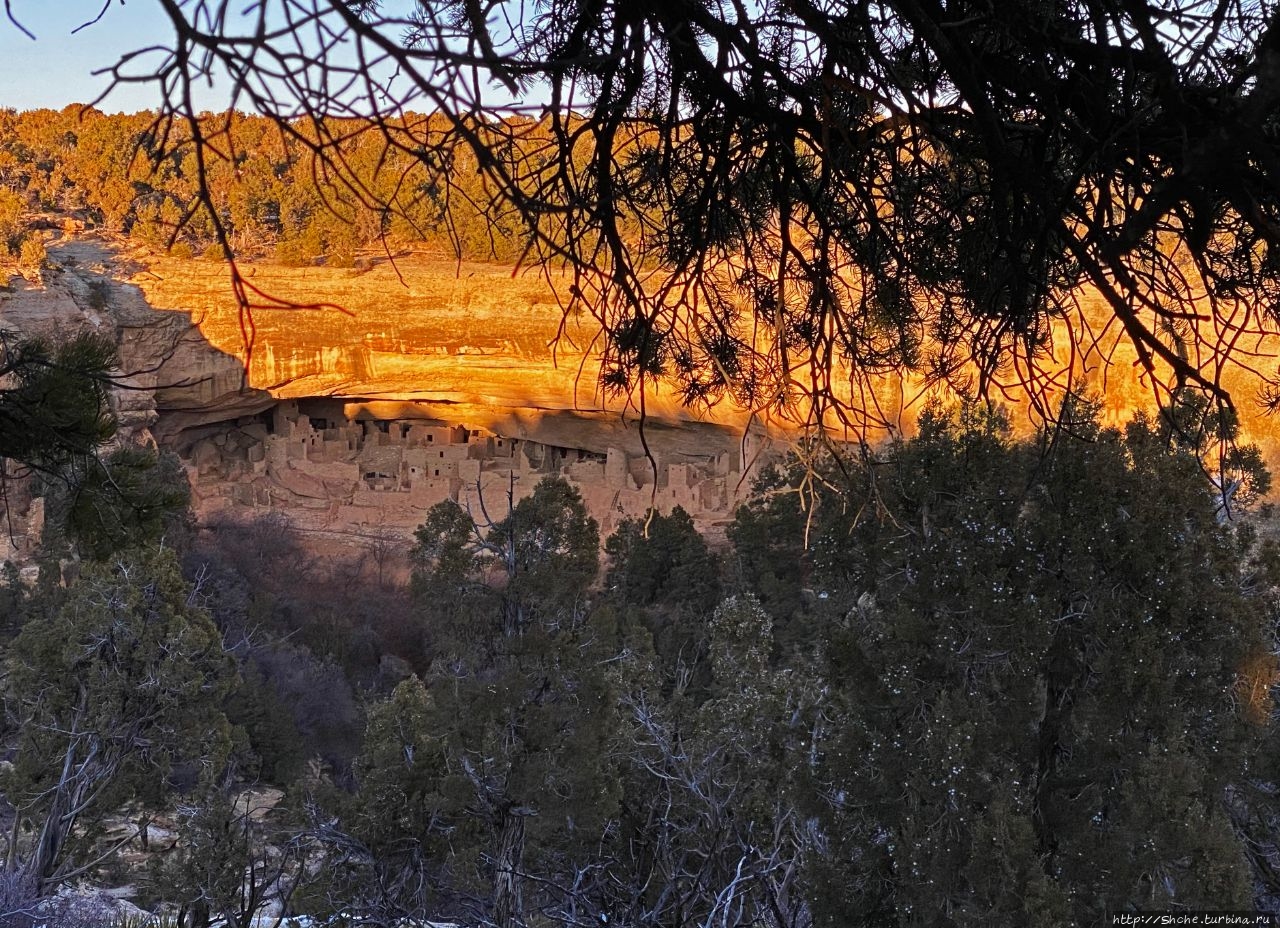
(54,405)
(131,497)
(519,695)
(227,864)
(669,564)
(400,820)
(770,557)
(712,830)
(122,682)
(1033,683)
(769,544)
(666,582)
(55,417)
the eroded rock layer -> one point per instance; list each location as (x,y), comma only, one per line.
(375,392)
(422,382)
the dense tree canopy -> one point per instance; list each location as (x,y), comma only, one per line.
(1029,682)
(750,194)
(114,171)
(517,698)
(1024,666)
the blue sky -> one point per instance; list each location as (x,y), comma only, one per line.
(55,70)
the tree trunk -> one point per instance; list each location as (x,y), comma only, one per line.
(508,904)
(199,914)
(54,832)
(79,774)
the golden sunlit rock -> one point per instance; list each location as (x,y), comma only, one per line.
(429,379)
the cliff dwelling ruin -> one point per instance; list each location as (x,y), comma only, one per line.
(358,466)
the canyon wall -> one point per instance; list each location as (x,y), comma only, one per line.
(424,381)
(383,389)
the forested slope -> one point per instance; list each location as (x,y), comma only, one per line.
(111,170)
(964,680)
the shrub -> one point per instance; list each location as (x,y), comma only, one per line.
(32,254)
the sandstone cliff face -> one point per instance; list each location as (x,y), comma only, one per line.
(419,329)
(334,416)
(424,344)
(467,347)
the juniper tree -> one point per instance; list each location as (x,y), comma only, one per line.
(230,861)
(769,545)
(713,827)
(665,582)
(519,698)
(1034,682)
(117,685)
(387,849)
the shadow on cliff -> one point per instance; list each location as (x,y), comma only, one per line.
(172,379)
(175,374)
